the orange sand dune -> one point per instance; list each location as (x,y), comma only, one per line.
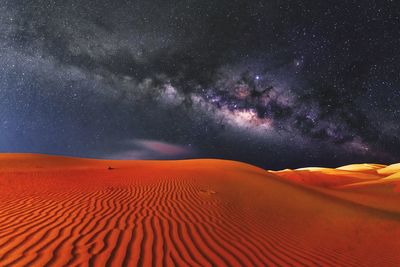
(372,185)
(57,211)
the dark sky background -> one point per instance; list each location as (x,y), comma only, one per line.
(274,83)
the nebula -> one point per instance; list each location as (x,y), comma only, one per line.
(227,77)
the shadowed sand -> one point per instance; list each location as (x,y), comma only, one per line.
(57,211)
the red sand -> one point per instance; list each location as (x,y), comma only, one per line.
(57,211)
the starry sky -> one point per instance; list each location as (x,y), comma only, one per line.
(279,84)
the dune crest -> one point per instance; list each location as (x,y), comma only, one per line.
(57,211)
(371,185)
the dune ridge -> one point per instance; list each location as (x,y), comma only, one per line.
(57,211)
(371,185)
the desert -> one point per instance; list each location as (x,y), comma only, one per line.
(60,211)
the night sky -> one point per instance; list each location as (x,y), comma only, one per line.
(279,84)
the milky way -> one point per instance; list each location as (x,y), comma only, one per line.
(271,83)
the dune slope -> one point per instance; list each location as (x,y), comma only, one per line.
(57,211)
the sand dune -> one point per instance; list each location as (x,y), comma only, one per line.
(371,185)
(356,175)
(57,211)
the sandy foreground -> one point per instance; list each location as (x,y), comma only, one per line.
(57,211)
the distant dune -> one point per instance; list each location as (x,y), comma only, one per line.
(371,185)
(58,211)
